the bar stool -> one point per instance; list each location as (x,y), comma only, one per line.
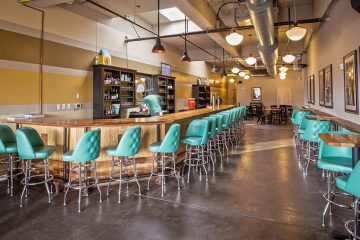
(169,145)
(300,133)
(334,160)
(211,141)
(223,140)
(128,146)
(197,134)
(82,164)
(8,146)
(350,185)
(218,132)
(32,148)
(313,128)
(297,121)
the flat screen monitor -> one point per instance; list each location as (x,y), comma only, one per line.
(165,69)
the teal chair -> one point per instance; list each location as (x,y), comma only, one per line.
(197,134)
(8,147)
(333,160)
(82,162)
(297,121)
(125,151)
(210,145)
(350,185)
(31,149)
(164,152)
(311,136)
(224,140)
(218,133)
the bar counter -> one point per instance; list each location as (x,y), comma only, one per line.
(65,133)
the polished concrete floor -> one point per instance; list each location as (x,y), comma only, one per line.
(257,192)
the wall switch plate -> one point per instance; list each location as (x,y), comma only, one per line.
(68,106)
(77,95)
(58,107)
(63,107)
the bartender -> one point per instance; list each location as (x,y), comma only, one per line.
(153,102)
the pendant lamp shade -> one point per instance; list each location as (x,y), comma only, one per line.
(250,60)
(235,70)
(296,33)
(185,57)
(246,77)
(288,58)
(242,74)
(158,48)
(283,68)
(234,38)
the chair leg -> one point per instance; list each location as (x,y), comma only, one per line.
(175,172)
(120,180)
(136,178)
(152,171)
(80,184)
(69,184)
(190,163)
(162,174)
(111,176)
(328,204)
(11,175)
(46,164)
(97,182)
(202,152)
(25,183)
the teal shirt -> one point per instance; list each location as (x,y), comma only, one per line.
(153,102)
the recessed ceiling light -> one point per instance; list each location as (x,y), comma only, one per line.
(173,14)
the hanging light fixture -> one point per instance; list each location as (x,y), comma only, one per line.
(242,74)
(246,77)
(282,77)
(283,68)
(234,38)
(295,33)
(223,73)
(158,47)
(235,69)
(282,74)
(250,60)
(231,80)
(288,58)
(214,68)
(185,57)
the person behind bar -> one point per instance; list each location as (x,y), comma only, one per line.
(153,102)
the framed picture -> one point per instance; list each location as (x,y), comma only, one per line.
(309,89)
(256,94)
(328,82)
(351,83)
(312,89)
(321,88)
(165,69)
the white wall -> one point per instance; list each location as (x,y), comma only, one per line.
(336,38)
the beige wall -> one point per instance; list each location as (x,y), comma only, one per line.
(269,89)
(336,38)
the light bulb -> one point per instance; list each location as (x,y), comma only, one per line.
(235,70)
(283,68)
(242,74)
(246,77)
(282,74)
(234,38)
(288,58)
(282,77)
(231,80)
(250,60)
(296,33)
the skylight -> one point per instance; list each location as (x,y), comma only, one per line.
(173,14)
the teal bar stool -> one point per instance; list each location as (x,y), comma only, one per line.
(333,160)
(197,134)
(218,133)
(210,145)
(31,149)
(350,185)
(232,128)
(300,133)
(224,136)
(297,121)
(8,147)
(127,148)
(167,149)
(82,164)
(311,136)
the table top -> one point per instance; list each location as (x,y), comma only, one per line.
(76,123)
(320,118)
(341,140)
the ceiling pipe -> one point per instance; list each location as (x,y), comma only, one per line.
(226,29)
(263,21)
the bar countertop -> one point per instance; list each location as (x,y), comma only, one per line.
(78,123)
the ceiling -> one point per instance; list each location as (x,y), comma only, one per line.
(146,10)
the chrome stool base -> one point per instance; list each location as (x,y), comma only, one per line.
(194,157)
(83,181)
(11,172)
(117,177)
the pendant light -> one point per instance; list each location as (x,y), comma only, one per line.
(223,73)
(283,68)
(246,77)
(158,47)
(185,57)
(214,68)
(235,69)
(250,60)
(234,38)
(288,58)
(242,74)
(231,80)
(295,33)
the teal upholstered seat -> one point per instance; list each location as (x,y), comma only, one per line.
(87,148)
(7,140)
(196,133)
(226,120)
(219,123)
(293,115)
(299,117)
(212,126)
(129,144)
(31,146)
(313,128)
(170,143)
(352,182)
(341,181)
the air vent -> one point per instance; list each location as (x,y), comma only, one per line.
(259,72)
(44,3)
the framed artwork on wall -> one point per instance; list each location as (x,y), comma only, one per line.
(328,83)
(351,82)
(312,86)
(321,88)
(309,89)
(256,94)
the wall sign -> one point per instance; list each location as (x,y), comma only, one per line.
(256,94)
(321,88)
(351,83)
(328,84)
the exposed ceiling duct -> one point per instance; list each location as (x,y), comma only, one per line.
(262,19)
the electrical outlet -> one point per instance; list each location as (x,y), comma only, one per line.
(77,95)
(78,106)
(68,106)
(58,107)
(63,106)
